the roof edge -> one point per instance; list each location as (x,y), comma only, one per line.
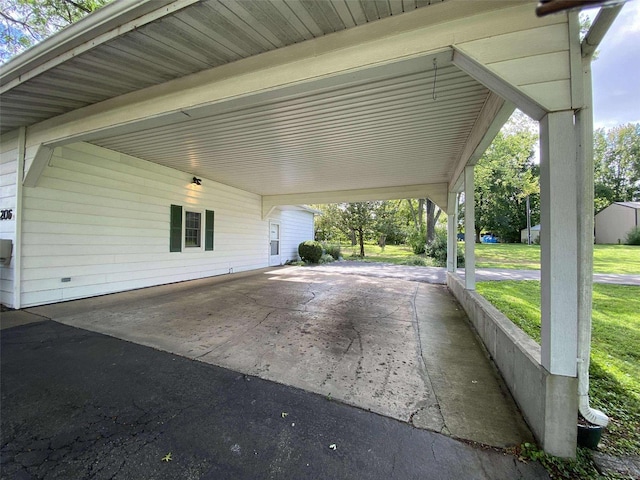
(103,20)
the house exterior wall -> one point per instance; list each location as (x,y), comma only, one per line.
(8,176)
(297,227)
(614,223)
(98,222)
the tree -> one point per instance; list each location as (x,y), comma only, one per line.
(433,214)
(504,176)
(360,217)
(389,223)
(23,23)
(616,165)
(330,226)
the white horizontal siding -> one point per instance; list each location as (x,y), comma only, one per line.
(297,226)
(102,219)
(8,175)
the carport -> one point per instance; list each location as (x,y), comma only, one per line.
(338,101)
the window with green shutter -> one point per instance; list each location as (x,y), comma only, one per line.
(175,230)
(208,229)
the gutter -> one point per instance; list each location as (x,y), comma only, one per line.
(592,40)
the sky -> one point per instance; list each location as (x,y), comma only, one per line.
(616,71)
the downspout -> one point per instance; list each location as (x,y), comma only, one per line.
(584,119)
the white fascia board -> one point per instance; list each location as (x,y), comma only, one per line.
(110,21)
(424,32)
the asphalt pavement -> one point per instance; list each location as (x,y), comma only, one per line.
(77,404)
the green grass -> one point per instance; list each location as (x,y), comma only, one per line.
(398,254)
(615,354)
(508,255)
(616,259)
(606,258)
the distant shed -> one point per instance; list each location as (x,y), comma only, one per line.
(613,223)
(535,234)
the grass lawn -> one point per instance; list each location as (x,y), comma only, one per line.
(398,254)
(615,355)
(606,258)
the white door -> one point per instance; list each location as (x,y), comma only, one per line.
(274,243)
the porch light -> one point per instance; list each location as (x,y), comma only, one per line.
(196,181)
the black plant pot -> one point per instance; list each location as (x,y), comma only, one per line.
(589,436)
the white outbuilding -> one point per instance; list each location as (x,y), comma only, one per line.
(535,234)
(614,222)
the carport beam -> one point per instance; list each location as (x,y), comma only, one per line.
(469,230)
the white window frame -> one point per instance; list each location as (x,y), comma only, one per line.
(192,248)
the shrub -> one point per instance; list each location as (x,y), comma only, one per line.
(416,261)
(417,240)
(310,251)
(333,250)
(326,258)
(633,237)
(438,250)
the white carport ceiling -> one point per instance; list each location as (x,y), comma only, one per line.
(348,137)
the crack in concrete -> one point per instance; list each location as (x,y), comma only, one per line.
(238,336)
(424,371)
(361,356)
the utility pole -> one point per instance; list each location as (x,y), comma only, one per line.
(528,221)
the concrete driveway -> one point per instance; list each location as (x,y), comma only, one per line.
(394,346)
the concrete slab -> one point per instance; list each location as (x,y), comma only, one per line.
(393,346)
(14,318)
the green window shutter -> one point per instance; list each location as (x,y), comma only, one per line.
(175,234)
(208,229)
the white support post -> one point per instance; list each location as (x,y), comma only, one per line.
(559,243)
(452,232)
(469,230)
(17,246)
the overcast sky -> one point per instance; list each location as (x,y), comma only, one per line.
(616,72)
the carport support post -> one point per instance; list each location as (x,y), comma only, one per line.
(452,232)
(559,279)
(559,243)
(469,230)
